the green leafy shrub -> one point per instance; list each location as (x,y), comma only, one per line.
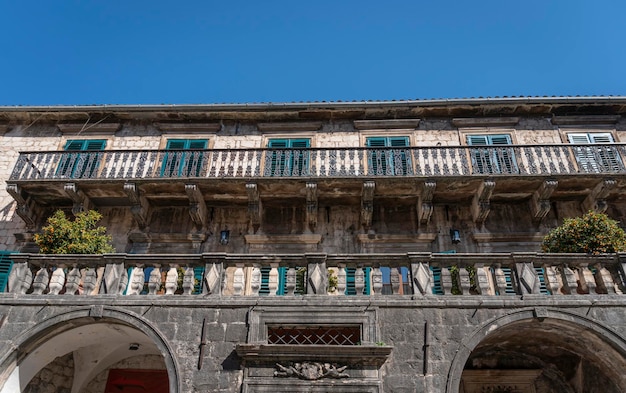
(80,236)
(592,233)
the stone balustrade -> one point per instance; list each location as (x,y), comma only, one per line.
(237,275)
(529,160)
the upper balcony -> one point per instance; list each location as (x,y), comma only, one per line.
(448,174)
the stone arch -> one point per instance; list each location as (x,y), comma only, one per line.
(47,330)
(610,339)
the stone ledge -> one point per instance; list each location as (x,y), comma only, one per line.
(591,119)
(290,126)
(283,239)
(363,354)
(386,124)
(507,237)
(485,121)
(83,128)
(188,127)
(386,238)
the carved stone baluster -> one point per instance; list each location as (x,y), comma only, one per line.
(605,280)
(569,280)
(377,281)
(341,280)
(20,278)
(90,279)
(588,282)
(422,278)
(394,278)
(446,281)
(464,281)
(272,281)
(41,281)
(171,281)
(72,281)
(213,277)
(255,280)
(552,280)
(238,280)
(188,281)
(482,281)
(137,280)
(57,281)
(359,280)
(500,279)
(123,283)
(290,286)
(154,281)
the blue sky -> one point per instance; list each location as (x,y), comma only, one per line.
(69,52)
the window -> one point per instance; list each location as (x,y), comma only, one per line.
(185,160)
(602,158)
(492,159)
(392,161)
(5,269)
(82,161)
(287,157)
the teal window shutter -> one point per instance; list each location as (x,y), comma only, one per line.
(292,161)
(186,161)
(543,289)
(198,277)
(492,160)
(437,288)
(265,281)
(388,161)
(82,163)
(350,281)
(5,269)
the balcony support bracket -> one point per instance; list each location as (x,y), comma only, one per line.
(481,202)
(540,203)
(139,204)
(254,205)
(311,205)
(367,203)
(425,203)
(596,200)
(197,206)
(24,205)
(81,201)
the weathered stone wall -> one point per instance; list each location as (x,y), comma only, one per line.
(56,377)
(453,322)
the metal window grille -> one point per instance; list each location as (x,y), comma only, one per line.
(314,335)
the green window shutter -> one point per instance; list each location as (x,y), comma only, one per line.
(79,165)
(5,269)
(387,162)
(182,163)
(288,162)
(492,160)
(436,288)
(198,277)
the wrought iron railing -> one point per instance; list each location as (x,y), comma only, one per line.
(244,275)
(322,162)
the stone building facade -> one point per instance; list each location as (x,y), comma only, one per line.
(314,247)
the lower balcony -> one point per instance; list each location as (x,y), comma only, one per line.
(416,275)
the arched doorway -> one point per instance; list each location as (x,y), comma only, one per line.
(113,352)
(527,353)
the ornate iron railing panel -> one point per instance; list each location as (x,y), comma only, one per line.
(320,163)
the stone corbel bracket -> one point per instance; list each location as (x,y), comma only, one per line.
(540,203)
(367,203)
(139,204)
(197,206)
(596,199)
(311,205)
(481,202)
(23,205)
(254,205)
(81,201)
(425,202)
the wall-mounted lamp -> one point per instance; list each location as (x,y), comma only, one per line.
(455,235)
(224,237)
